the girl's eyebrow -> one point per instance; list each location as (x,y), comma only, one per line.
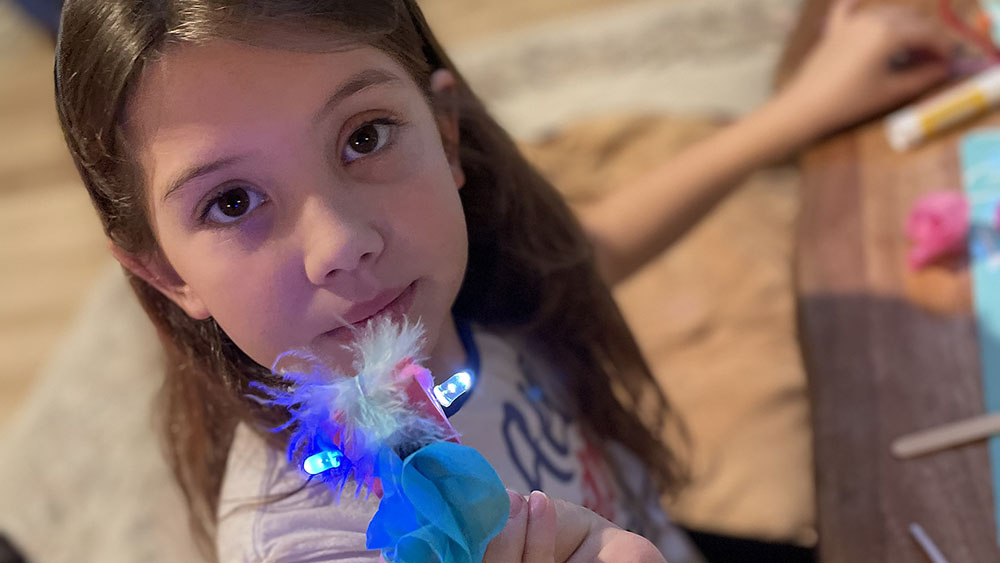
(356,83)
(200,170)
(360,81)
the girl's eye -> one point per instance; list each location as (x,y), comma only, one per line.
(231,205)
(368,139)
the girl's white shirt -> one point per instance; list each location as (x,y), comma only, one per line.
(530,441)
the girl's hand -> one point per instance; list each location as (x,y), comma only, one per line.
(542,530)
(867,61)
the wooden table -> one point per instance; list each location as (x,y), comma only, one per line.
(879,366)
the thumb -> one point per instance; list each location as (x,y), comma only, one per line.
(539,540)
(508,545)
(919,79)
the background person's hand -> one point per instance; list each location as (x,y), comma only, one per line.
(543,530)
(868,60)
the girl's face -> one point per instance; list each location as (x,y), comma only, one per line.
(295,195)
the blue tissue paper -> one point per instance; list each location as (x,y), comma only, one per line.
(444,502)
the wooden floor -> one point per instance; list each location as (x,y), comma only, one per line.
(51,247)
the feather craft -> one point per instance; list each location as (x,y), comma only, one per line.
(362,413)
(383,428)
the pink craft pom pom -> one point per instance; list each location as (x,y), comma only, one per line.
(937,226)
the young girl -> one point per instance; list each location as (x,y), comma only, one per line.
(273,174)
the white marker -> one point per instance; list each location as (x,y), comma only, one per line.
(909,126)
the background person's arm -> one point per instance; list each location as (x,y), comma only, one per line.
(849,76)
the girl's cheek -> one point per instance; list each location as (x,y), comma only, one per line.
(386,168)
(257,232)
(412,155)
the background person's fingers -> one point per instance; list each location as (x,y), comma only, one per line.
(840,11)
(912,32)
(893,12)
(920,79)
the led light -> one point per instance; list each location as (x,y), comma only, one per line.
(453,388)
(323,461)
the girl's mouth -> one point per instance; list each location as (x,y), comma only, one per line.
(394,303)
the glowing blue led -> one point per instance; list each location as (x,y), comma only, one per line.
(323,461)
(453,388)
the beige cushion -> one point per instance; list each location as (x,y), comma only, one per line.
(714,316)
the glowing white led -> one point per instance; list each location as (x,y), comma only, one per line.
(322,461)
(453,388)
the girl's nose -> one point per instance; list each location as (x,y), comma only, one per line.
(338,244)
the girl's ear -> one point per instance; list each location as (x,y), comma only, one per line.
(444,89)
(157,272)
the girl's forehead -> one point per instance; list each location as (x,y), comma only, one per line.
(186,72)
(197,100)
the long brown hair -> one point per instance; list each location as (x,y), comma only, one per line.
(530,271)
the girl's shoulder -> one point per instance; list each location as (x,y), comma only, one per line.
(268,511)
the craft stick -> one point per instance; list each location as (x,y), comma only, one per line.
(946,436)
(925,543)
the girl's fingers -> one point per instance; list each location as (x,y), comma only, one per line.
(508,545)
(540,538)
(576,524)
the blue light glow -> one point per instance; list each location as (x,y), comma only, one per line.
(323,461)
(453,388)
